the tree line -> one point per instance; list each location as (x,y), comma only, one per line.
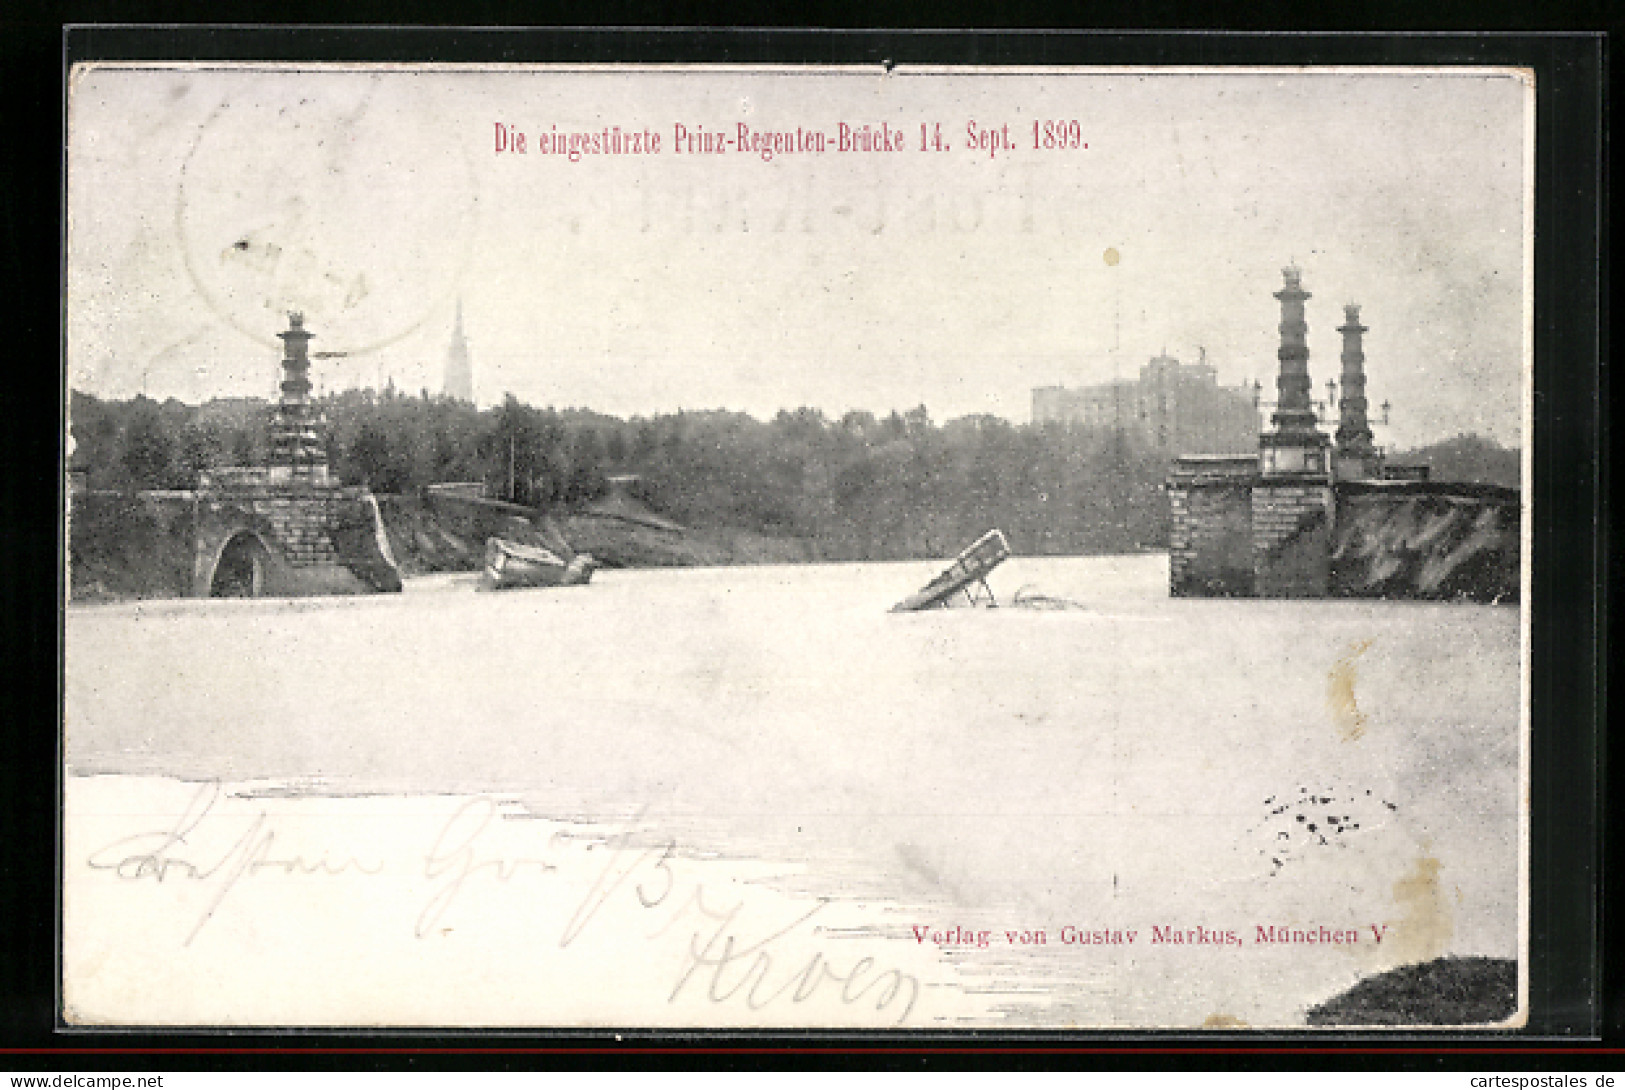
(859,487)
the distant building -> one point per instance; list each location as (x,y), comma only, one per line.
(1175,406)
(459,368)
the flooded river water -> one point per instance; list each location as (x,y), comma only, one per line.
(1138,763)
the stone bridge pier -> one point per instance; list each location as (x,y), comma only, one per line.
(282,529)
(260,536)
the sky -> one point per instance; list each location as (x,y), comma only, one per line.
(205,203)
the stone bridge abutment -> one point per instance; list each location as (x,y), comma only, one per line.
(288,539)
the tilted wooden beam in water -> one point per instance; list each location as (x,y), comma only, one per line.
(970,566)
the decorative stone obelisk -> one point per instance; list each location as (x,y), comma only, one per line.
(1357,457)
(297,449)
(1292,498)
(1296,446)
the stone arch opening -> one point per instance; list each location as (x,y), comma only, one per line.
(240,571)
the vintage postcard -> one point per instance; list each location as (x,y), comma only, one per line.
(856,547)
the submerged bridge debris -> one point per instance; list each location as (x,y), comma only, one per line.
(967,575)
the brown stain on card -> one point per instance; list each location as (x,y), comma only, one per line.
(1224,1021)
(1426,922)
(1346,714)
(1423,921)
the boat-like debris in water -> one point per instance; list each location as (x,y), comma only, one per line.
(966,575)
(510,564)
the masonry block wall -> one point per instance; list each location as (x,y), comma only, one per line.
(321,538)
(301,526)
(1292,527)
(1235,534)
(1210,547)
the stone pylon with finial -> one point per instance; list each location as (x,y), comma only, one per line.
(1295,445)
(297,446)
(1357,454)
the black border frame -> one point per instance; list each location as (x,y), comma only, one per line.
(1569,539)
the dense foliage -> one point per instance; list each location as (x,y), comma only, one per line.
(1468,458)
(860,487)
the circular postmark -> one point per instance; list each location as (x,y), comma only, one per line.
(337,194)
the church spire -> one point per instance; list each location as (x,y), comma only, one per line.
(459,368)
